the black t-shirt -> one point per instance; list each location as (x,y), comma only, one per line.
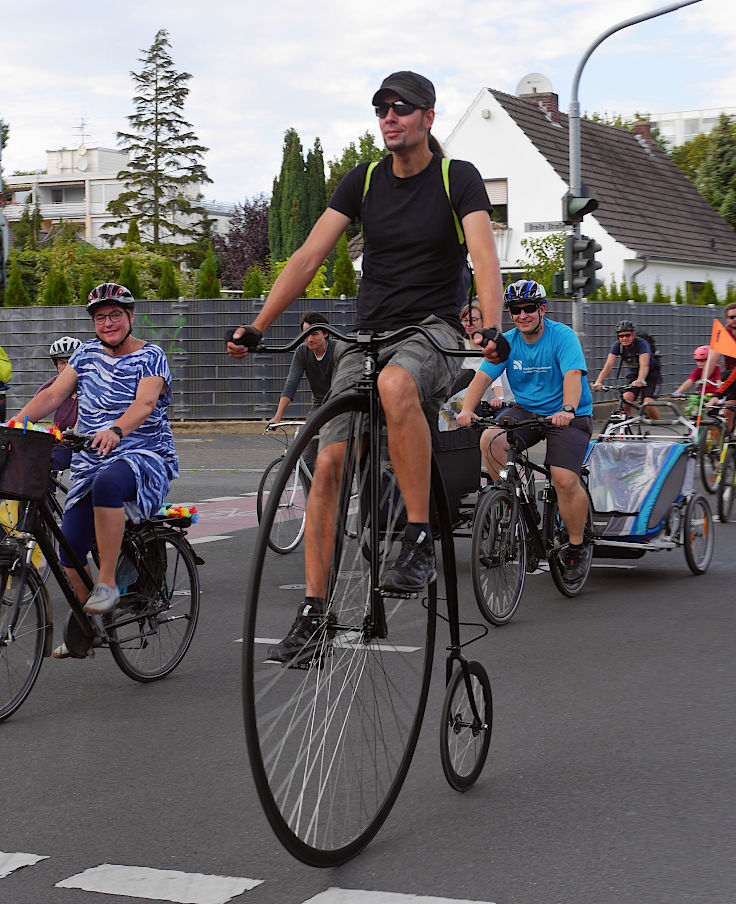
(413,264)
(630,355)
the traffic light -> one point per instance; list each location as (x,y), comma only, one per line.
(574,208)
(580,264)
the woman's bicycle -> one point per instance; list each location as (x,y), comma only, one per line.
(511,534)
(331,735)
(149,631)
(287,529)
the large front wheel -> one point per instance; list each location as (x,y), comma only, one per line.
(698,537)
(331,733)
(498,556)
(465,726)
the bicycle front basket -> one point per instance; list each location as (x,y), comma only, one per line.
(25,463)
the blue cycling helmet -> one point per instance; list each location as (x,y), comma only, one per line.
(525,290)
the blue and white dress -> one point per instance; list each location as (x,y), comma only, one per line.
(106,387)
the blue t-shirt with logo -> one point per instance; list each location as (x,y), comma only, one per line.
(536,370)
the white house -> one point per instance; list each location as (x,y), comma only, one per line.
(652,223)
(76,188)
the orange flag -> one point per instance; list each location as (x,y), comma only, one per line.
(722,341)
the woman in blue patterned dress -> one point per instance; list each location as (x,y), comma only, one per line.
(123,387)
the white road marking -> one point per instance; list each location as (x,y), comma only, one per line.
(160,884)
(11,862)
(345,643)
(194,540)
(221,499)
(355,896)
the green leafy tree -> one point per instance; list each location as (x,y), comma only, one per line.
(129,277)
(366,151)
(545,256)
(208,285)
(716,178)
(253,282)
(16,294)
(165,167)
(317,288)
(628,123)
(689,157)
(168,287)
(343,271)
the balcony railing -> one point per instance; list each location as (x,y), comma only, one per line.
(71,211)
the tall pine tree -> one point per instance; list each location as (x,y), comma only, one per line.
(165,169)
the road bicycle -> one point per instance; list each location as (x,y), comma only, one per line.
(287,529)
(726,473)
(713,435)
(510,534)
(618,418)
(149,631)
(331,735)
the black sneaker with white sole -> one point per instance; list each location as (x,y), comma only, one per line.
(415,566)
(575,561)
(305,634)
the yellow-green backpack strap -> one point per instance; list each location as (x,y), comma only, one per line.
(368,174)
(446,181)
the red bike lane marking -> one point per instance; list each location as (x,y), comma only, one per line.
(223,516)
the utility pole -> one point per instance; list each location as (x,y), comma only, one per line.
(573,212)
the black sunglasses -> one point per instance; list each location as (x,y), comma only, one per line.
(401,108)
(516,309)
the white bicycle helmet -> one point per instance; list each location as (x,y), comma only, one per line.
(64,347)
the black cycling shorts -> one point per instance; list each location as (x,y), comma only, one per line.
(566,446)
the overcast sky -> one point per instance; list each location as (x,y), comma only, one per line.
(259,68)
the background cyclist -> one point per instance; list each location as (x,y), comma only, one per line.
(695,380)
(65,415)
(546,370)
(414,272)
(642,367)
(316,359)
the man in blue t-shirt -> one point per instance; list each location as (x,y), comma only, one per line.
(545,369)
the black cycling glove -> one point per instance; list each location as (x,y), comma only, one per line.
(493,334)
(251,338)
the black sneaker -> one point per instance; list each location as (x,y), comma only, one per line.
(414,567)
(575,562)
(304,636)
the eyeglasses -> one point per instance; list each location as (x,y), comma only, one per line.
(516,309)
(115,317)
(625,335)
(400,107)
(476,319)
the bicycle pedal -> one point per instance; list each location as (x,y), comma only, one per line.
(399,594)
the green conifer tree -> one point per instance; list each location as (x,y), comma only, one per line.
(134,233)
(208,285)
(343,271)
(253,283)
(614,295)
(707,294)
(168,286)
(658,297)
(678,296)
(623,290)
(87,282)
(55,289)
(129,277)
(16,294)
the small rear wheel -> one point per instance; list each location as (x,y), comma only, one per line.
(464,738)
(498,559)
(727,487)
(556,532)
(287,528)
(697,537)
(155,620)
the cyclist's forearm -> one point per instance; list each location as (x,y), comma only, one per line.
(572,388)
(284,402)
(643,368)
(475,390)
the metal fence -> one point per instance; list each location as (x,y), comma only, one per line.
(210,386)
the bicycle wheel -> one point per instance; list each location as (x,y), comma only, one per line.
(9,528)
(287,529)
(155,620)
(556,531)
(709,454)
(727,486)
(23,644)
(697,534)
(330,739)
(498,559)
(464,741)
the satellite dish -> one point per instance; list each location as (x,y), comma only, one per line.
(81,150)
(534,83)
(82,164)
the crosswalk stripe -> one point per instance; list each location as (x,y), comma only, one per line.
(355,896)
(194,540)
(160,884)
(13,861)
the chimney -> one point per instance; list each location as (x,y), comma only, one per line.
(643,132)
(548,101)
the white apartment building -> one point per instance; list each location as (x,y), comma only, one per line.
(684,125)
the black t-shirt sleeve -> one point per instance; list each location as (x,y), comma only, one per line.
(348,196)
(467,189)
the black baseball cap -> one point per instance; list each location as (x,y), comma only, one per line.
(410,86)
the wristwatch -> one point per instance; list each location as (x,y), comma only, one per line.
(570,409)
(116,430)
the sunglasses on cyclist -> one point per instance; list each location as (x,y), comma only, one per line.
(401,108)
(516,309)
(625,335)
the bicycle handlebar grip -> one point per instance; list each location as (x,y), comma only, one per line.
(251,338)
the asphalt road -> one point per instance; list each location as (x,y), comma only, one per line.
(611,777)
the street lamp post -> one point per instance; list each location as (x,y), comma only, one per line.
(576,184)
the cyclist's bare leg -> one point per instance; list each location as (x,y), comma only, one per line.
(494,446)
(572,501)
(627,398)
(109,529)
(409,440)
(653,411)
(78,584)
(319,528)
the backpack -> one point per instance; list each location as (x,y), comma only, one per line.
(6,369)
(654,363)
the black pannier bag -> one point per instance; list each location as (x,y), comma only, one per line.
(25,463)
